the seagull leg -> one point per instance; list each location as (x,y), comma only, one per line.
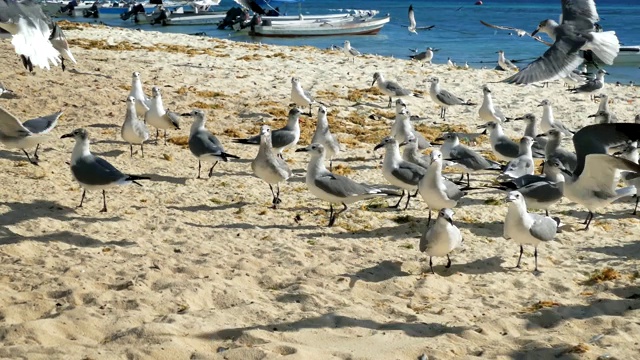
(448,262)
(130,150)
(199,166)
(590,217)
(278,201)
(408,199)
(211,170)
(431,265)
(520,257)
(389,102)
(62,63)
(34,162)
(332,218)
(535,256)
(165,136)
(330,165)
(104,201)
(341,211)
(274,199)
(635,210)
(35,155)
(398,203)
(416,193)
(157,135)
(84,192)
(546,212)
(142,149)
(429,220)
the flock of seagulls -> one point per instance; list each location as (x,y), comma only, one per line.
(588,176)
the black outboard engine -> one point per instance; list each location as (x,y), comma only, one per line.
(135,10)
(161,17)
(91,12)
(234,15)
(255,21)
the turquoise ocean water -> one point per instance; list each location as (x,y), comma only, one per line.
(457,33)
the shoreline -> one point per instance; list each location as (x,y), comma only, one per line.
(203,269)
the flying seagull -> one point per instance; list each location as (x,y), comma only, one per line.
(576,32)
(412,21)
(519,32)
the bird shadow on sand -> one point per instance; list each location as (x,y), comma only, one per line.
(169,179)
(371,105)
(75,71)
(629,250)
(535,350)
(488,229)
(253,115)
(104,126)
(111,142)
(13,156)
(197,208)
(22,212)
(334,321)
(110,153)
(476,267)
(246,226)
(383,271)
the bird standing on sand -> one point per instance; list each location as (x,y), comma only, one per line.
(437,192)
(14,134)
(463,158)
(504,63)
(548,121)
(592,85)
(95,173)
(488,111)
(142,101)
(159,117)
(323,136)
(526,228)
(59,42)
(300,96)
(441,238)
(399,172)
(203,144)
(390,88)
(268,167)
(349,51)
(282,138)
(133,130)
(424,57)
(444,98)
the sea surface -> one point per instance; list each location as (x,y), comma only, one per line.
(457,33)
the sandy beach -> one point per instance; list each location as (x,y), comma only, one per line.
(186,268)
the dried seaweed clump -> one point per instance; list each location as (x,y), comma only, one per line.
(541,305)
(598,276)
(179,140)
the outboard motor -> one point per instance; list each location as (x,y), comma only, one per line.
(135,10)
(257,20)
(161,17)
(234,15)
(92,11)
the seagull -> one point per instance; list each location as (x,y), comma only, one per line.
(604,106)
(390,88)
(30,30)
(519,32)
(5,92)
(203,144)
(158,117)
(323,136)
(435,190)
(488,111)
(504,63)
(424,57)
(59,42)
(539,142)
(523,164)
(399,172)
(282,138)
(441,239)
(14,134)
(268,167)
(503,148)
(95,173)
(412,21)
(593,183)
(450,63)
(592,85)
(526,228)
(553,150)
(602,117)
(400,105)
(402,129)
(463,158)
(142,102)
(412,154)
(444,98)
(300,96)
(577,32)
(548,122)
(630,152)
(133,130)
(349,51)
(335,189)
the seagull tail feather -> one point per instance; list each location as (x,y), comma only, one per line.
(605,45)
(225,156)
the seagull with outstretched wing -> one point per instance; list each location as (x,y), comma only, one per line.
(519,32)
(412,20)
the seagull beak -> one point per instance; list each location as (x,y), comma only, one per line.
(510,198)
(66,136)
(378,147)
(534,32)
(374,81)
(185,114)
(483,126)
(304,149)
(592,115)
(439,139)
(403,144)
(541,135)
(541,104)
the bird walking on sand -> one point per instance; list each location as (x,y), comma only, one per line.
(390,88)
(323,136)
(159,117)
(31,133)
(463,158)
(526,228)
(399,172)
(282,138)
(441,238)
(95,173)
(268,167)
(444,98)
(334,188)
(203,144)
(133,130)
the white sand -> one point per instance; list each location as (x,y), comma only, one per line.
(181,268)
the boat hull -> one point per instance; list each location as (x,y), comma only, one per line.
(330,28)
